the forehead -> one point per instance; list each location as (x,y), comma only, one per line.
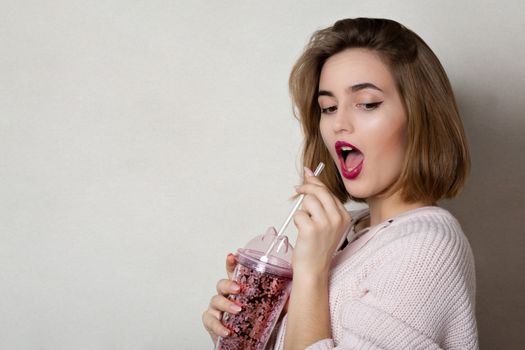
(354,66)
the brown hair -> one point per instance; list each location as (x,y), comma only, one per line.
(437,158)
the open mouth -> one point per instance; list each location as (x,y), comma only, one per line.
(350,158)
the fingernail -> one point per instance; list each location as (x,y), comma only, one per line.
(225,333)
(308,172)
(235,308)
(235,287)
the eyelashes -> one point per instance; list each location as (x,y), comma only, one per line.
(364,106)
(329,110)
(370,106)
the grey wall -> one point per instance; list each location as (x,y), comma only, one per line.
(141,141)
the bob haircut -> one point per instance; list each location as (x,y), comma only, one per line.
(437,160)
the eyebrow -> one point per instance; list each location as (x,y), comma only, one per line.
(353,88)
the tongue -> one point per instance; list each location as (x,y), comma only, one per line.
(353,159)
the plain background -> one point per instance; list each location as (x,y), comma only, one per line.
(141,141)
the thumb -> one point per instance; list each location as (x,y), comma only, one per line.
(231,262)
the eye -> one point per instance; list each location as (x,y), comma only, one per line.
(329,110)
(369,106)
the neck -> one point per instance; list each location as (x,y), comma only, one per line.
(384,208)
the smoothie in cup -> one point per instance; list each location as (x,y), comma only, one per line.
(264,290)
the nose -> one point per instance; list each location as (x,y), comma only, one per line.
(343,121)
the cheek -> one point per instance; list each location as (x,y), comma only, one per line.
(328,139)
(396,146)
(390,146)
(323,128)
(325,135)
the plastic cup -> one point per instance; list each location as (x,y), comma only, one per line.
(264,290)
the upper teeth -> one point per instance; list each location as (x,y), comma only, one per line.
(346,148)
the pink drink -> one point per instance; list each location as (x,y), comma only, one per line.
(265,288)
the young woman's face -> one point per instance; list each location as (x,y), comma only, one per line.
(363,122)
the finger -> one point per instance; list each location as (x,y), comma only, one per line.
(323,195)
(325,208)
(207,315)
(307,179)
(316,181)
(310,187)
(315,209)
(225,287)
(303,222)
(308,172)
(223,304)
(313,180)
(231,262)
(216,313)
(293,197)
(214,326)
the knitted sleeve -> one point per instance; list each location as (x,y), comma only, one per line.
(420,297)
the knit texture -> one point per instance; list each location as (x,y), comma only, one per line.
(408,283)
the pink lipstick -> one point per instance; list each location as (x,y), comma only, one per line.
(350,159)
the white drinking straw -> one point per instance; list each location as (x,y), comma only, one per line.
(298,203)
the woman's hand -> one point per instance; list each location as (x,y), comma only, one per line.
(211,318)
(321,223)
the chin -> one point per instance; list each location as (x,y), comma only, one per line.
(356,193)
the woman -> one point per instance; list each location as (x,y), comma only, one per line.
(376,106)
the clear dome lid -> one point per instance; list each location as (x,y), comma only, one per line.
(279,257)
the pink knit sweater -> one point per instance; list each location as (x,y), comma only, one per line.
(407,283)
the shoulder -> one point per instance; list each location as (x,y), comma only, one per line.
(431,218)
(416,273)
(428,241)
(430,229)
(425,233)
(428,250)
